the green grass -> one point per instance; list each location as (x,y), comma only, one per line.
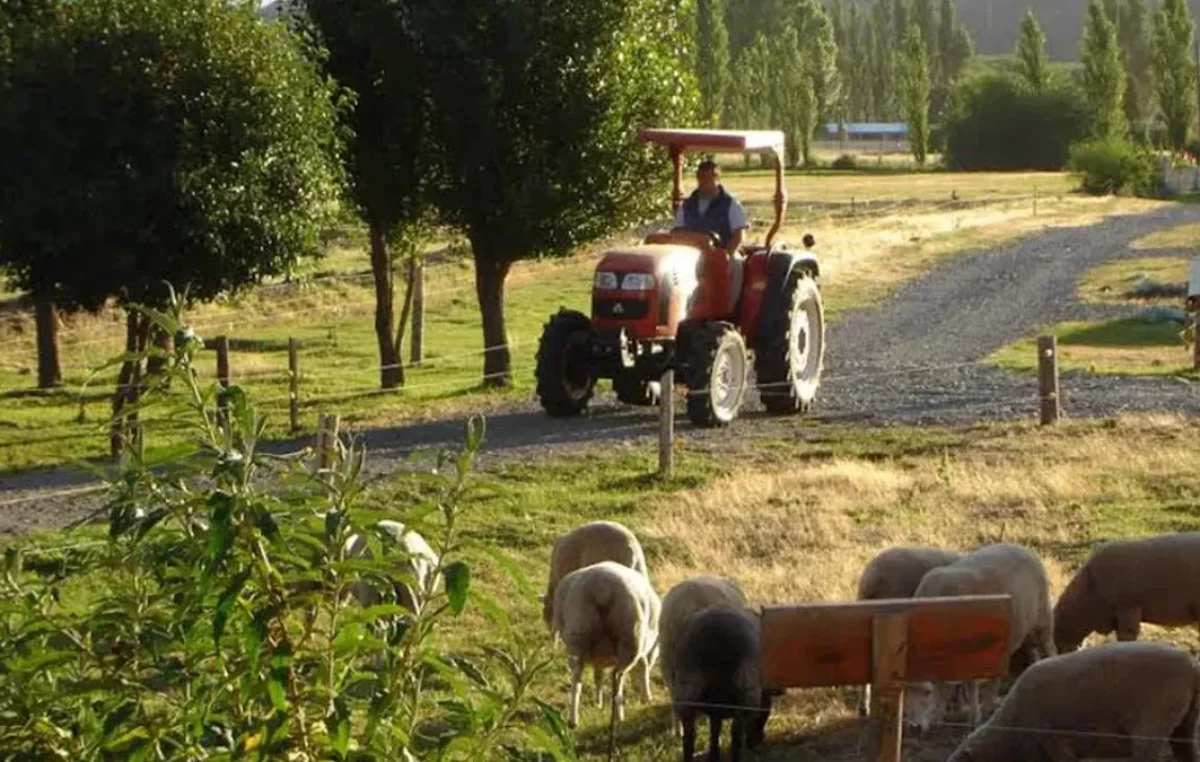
(1112,283)
(1120,347)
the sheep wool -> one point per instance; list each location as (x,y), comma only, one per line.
(590,544)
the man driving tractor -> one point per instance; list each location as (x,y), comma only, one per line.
(712,209)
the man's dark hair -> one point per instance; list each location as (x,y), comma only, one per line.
(708,164)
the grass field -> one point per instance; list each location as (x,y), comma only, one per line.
(900,225)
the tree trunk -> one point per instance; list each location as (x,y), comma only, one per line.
(49,367)
(129,382)
(391,373)
(489,287)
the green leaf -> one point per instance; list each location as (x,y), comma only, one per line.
(458,581)
(277,693)
(475,429)
(473,673)
(333,523)
(555,721)
(220,531)
(225,604)
(265,522)
(117,717)
(337,723)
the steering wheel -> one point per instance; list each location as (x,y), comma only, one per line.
(713,239)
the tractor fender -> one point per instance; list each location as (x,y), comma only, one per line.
(780,267)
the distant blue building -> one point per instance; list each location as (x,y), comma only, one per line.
(867,131)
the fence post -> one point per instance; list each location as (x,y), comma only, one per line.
(889,660)
(294,384)
(1196,340)
(418,315)
(327,439)
(1048,379)
(222,378)
(666,425)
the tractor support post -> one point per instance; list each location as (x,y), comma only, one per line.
(780,198)
(676,178)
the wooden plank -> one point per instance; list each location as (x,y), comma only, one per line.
(666,425)
(294,384)
(889,647)
(830,644)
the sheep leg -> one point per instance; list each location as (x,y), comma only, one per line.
(646,680)
(598,675)
(714,738)
(990,694)
(576,665)
(618,680)
(864,701)
(737,738)
(688,720)
(1129,624)
(976,710)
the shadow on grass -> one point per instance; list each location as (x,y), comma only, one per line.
(1124,333)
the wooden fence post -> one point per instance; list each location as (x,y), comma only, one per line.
(327,441)
(294,384)
(1196,341)
(1192,305)
(222,378)
(666,425)
(889,660)
(417,355)
(1048,379)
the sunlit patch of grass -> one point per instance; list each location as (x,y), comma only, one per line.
(1118,282)
(1124,347)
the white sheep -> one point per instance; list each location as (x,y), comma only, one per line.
(1002,569)
(718,673)
(590,544)
(1122,700)
(419,565)
(896,573)
(607,615)
(1125,583)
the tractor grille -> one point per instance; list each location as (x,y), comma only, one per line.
(620,309)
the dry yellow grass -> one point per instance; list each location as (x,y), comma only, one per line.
(802,531)
(1179,237)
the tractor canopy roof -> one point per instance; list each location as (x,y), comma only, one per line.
(716,141)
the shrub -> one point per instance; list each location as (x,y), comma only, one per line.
(845,162)
(996,124)
(212,622)
(1113,167)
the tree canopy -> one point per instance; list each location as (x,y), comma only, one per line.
(1174,70)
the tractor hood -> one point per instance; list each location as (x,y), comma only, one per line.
(651,258)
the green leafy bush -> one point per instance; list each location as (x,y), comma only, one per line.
(845,162)
(1115,167)
(212,621)
(995,124)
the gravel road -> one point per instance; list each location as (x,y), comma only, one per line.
(911,360)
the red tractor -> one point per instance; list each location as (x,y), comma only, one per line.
(679,301)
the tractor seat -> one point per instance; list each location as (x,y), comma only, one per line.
(737,277)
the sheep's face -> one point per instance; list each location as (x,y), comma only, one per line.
(924,705)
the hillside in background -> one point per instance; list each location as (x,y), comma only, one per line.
(994,23)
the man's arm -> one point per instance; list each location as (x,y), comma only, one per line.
(738,224)
(736,241)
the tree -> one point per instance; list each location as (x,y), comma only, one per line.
(712,55)
(367,49)
(883,73)
(1033,66)
(793,99)
(145,142)
(1134,34)
(1174,70)
(900,19)
(750,93)
(912,73)
(924,14)
(820,53)
(536,103)
(1103,74)
(954,42)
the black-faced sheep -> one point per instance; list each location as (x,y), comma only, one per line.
(1120,700)
(590,544)
(717,673)
(991,570)
(1125,583)
(896,573)
(607,616)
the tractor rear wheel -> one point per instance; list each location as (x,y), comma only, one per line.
(565,383)
(632,389)
(789,364)
(716,373)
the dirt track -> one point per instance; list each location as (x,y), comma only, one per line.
(913,360)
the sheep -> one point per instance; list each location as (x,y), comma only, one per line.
(420,564)
(990,570)
(896,573)
(607,615)
(717,672)
(587,545)
(1125,583)
(1120,700)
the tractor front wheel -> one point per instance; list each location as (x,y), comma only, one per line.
(716,375)
(789,364)
(565,383)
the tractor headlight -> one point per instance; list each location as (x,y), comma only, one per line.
(637,282)
(605,280)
